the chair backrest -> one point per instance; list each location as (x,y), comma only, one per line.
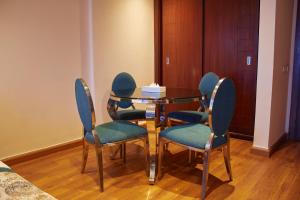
(123,81)
(222,105)
(85,105)
(207,85)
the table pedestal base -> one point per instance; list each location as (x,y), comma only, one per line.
(152,175)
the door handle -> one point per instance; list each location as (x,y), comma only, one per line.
(167,60)
(249,60)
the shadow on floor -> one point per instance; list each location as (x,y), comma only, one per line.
(177,169)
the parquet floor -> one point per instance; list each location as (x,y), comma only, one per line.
(254,177)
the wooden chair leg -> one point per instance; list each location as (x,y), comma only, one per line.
(147,156)
(124,152)
(161,145)
(226,153)
(100,167)
(205,173)
(85,152)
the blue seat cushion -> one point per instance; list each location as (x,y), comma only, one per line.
(192,135)
(189,116)
(116,131)
(131,114)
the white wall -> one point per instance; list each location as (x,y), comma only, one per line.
(39,61)
(265,73)
(291,67)
(123,41)
(272,82)
(87,48)
(283,38)
(46,44)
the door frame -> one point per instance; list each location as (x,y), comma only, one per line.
(158,41)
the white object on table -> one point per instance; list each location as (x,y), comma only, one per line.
(154,87)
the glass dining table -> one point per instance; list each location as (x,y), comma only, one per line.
(155,112)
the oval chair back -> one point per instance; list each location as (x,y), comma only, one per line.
(123,81)
(206,87)
(221,109)
(85,105)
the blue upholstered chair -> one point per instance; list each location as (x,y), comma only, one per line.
(202,138)
(206,87)
(121,110)
(116,132)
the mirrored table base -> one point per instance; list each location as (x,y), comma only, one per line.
(155,115)
(155,122)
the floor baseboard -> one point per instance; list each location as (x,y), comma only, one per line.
(260,151)
(241,136)
(41,152)
(278,143)
(272,149)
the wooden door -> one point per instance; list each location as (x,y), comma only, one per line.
(182,22)
(230,50)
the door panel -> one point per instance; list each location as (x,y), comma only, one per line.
(182,22)
(231,36)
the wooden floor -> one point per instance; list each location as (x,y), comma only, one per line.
(254,177)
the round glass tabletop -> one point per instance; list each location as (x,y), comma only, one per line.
(172,95)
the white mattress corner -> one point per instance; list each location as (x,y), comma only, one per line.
(3,165)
